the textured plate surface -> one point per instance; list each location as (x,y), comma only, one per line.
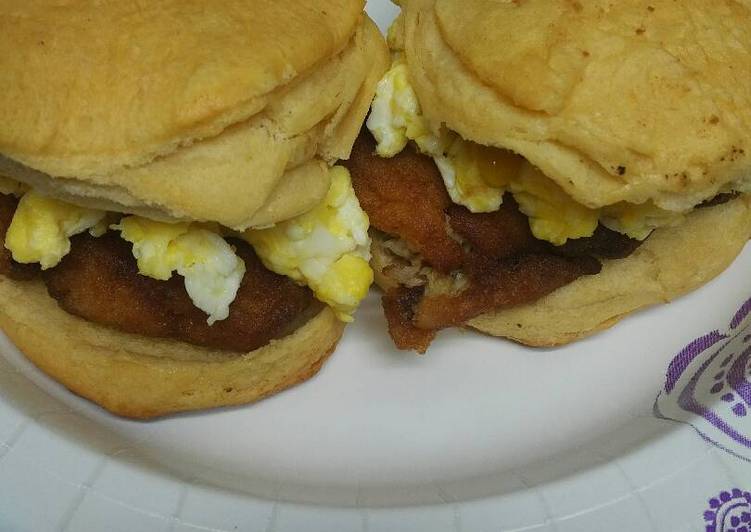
(478,435)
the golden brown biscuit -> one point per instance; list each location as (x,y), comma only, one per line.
(168,73)
(141,377)
(614,101)
(230,113)
(209,151)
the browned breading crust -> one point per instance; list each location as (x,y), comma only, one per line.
(399,307)
(495,285)
(603,244)
(99,281)
(501,234)
(405,196)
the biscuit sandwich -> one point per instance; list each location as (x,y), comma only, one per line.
(537,170)
(177,232)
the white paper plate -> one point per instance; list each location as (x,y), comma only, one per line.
(479,435)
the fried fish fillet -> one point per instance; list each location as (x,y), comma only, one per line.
(99,281)
(442,265)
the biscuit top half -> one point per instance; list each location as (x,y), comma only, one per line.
(224,111)
(615,101)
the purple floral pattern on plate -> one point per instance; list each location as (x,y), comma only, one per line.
(708,386)
(730,511)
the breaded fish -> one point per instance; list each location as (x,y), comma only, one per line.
(99,281)
(458,264)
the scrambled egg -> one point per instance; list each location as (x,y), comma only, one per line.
(395,116)
(41,229)
(474,175)
(478,176)
(553,215)
(638,221)
(211,270)
(327,248)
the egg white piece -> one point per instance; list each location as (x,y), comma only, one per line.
(395,112)
(211,270)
